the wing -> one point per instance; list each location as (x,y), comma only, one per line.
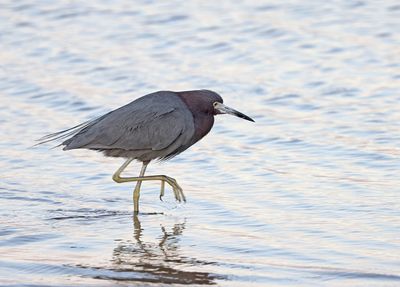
(152,122)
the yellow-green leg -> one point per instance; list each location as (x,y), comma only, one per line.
(178,192)
(136,192)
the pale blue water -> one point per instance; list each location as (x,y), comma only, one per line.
(309,195)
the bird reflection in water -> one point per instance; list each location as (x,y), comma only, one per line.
(159,262)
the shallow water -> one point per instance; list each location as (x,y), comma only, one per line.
(308,195)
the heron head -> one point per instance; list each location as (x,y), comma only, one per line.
(209,103)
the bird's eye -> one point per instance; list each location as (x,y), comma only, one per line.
(215,104)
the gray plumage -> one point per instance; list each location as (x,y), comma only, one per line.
(156,126)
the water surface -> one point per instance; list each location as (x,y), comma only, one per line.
(309,195)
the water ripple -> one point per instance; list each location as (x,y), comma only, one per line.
(308,195)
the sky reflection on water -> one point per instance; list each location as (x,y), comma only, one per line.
(306,196)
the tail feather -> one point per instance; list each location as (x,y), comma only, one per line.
(66,133)
(71,132)
(62,134)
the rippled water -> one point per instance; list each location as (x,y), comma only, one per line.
(308,195)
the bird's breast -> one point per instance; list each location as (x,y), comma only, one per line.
(202,124)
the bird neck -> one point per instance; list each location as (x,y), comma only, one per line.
(203,117)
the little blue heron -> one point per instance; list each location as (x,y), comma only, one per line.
(159,125)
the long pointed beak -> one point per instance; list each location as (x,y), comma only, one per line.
(222,109)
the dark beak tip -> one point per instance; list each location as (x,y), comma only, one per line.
(247,118)
(241,115)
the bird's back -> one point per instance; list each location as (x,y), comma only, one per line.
(158,125)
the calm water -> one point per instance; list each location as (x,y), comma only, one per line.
(309,195)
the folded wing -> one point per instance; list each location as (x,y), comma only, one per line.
(145,124)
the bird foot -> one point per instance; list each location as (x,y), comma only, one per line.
(178,191)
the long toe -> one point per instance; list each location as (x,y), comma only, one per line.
(178,192)
(179,195)
(162,189)
(183,196)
